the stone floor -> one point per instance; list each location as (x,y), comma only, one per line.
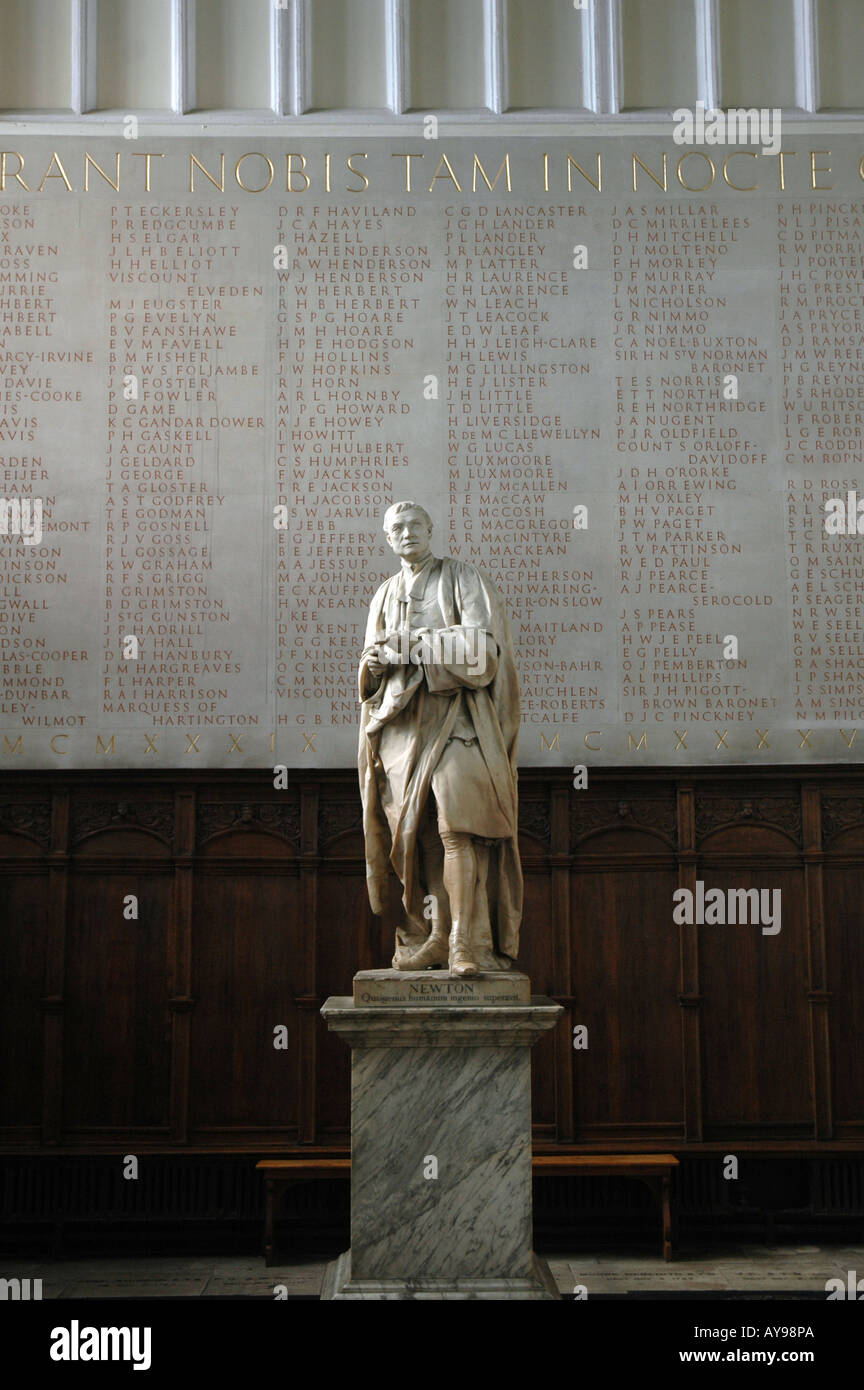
(747,1270)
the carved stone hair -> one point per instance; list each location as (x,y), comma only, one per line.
(398,507)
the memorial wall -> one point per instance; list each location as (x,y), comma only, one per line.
(622,374)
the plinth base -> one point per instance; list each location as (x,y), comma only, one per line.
(440,1138)
(338,1284)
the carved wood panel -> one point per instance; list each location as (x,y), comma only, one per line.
(252,909)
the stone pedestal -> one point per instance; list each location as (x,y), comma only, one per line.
(440,1136)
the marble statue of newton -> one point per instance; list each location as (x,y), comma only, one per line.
(437,758)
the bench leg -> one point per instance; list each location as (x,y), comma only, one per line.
(668,1225)
(268,1222)
(662,1192)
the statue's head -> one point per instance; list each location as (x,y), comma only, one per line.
(408,528)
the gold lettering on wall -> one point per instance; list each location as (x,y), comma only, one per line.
(359,172)
(782,156)
(504,165)
(15,173)
(146,155)
(290,171)
(510,172)
(698,187)
(448,175)
(739,187)
(407,157)
(254,154)
(822,169)
(665,181)
(571,165)
(89,162)
(194,163)
(59,174)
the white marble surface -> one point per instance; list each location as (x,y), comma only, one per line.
(483,1025)
(268,620)
(441,1201)
(339,1283)
(470,1109)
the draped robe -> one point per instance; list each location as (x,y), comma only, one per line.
(447,727)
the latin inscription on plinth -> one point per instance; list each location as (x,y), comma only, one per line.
(381,988)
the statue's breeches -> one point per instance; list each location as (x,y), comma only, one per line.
(464,794)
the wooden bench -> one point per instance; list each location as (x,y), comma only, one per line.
(280,1173)
(655,1170)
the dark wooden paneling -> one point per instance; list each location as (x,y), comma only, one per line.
(755,1013)
(24,914)
(844,930)
(253,909)
(245,947)
(756,1026)
(116,1023)
(625,952)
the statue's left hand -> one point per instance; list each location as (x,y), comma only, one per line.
(398,644)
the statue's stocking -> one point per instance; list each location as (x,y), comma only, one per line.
(483,947)
(428,944)
(460,880)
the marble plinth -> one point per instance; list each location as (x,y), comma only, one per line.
(440,1146)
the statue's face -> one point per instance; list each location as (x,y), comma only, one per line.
(409,536)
